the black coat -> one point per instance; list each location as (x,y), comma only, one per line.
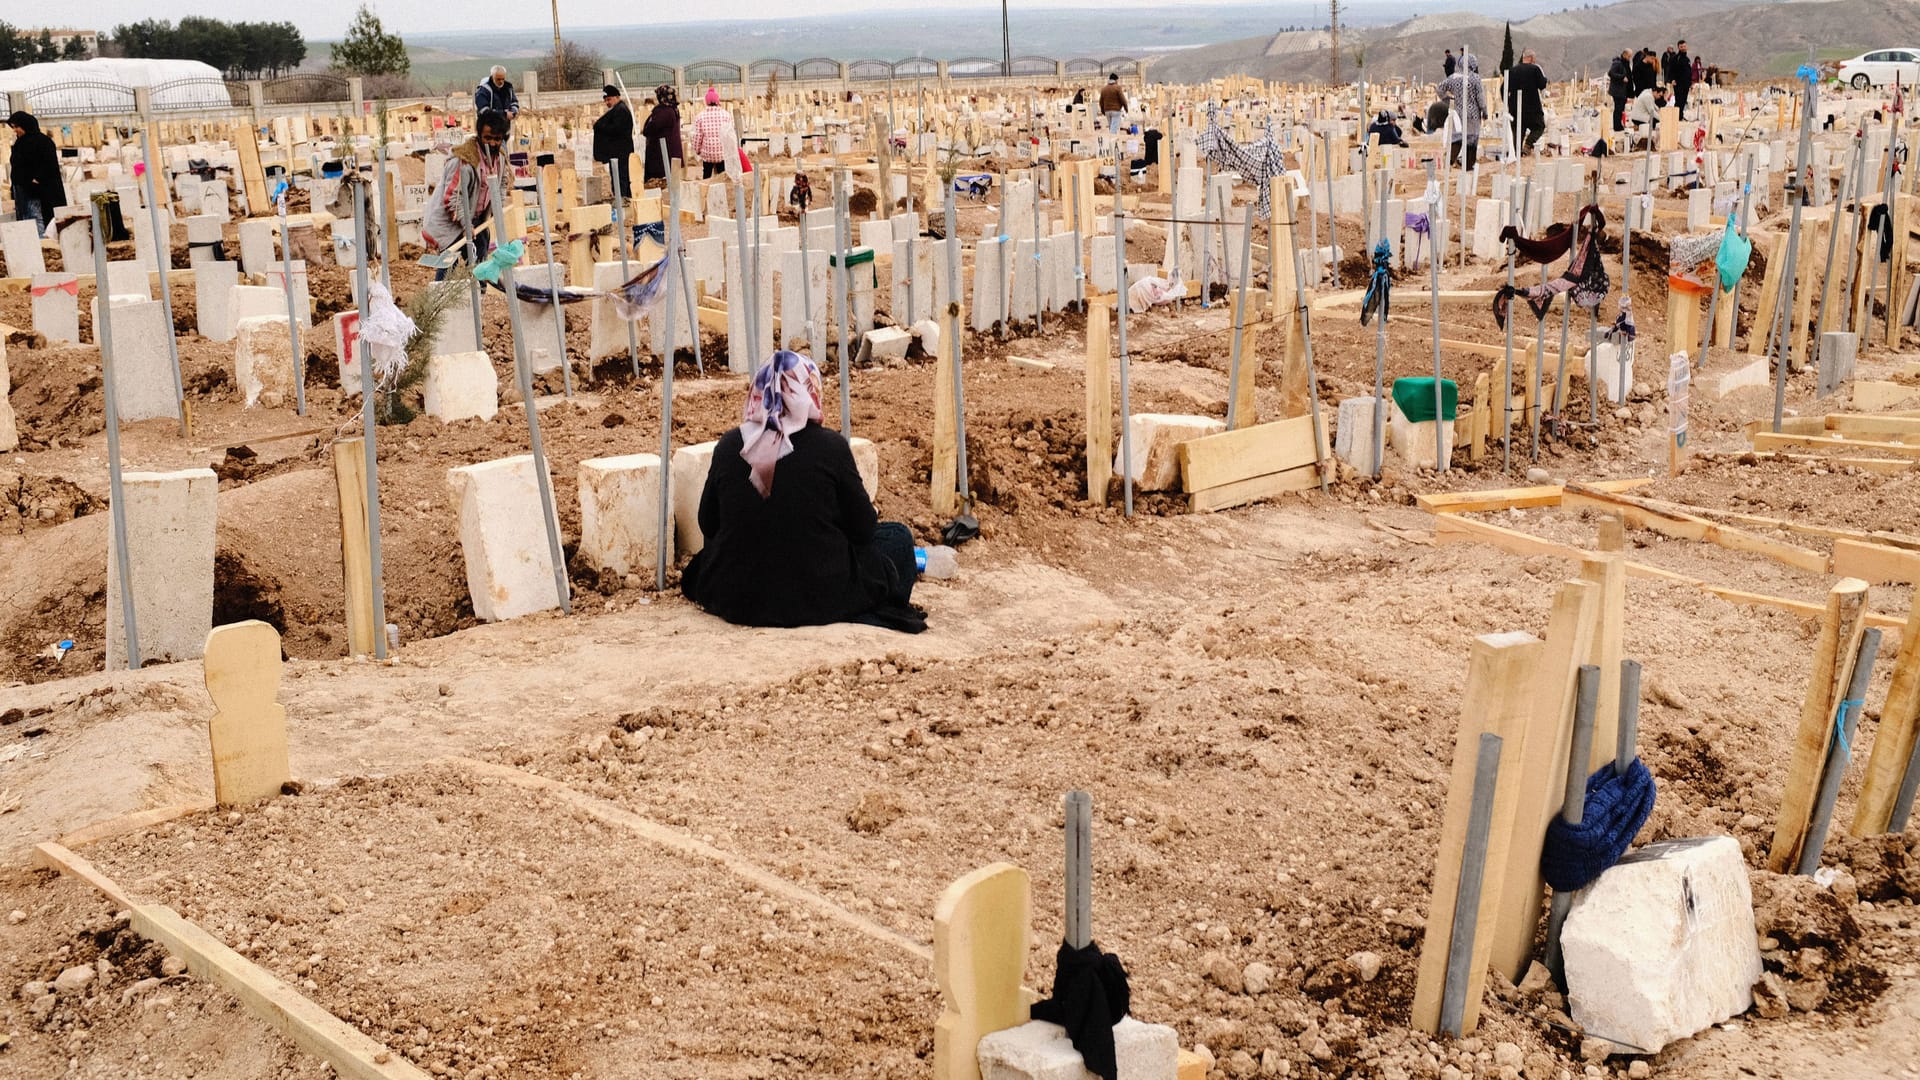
(35,166)
(662,123)
(1525,83)
(1620,78)
(1645,74)
(1680,69)
(801,556)
(613,134)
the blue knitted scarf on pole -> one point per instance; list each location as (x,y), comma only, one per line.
(1616,808)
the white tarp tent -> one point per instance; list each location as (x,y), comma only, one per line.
(105,85)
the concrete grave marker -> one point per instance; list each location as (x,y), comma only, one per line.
(56,307)
(142,366)
(9,426)
(1662,945)
(214,284)
(263,360)
(346,346)
(249,730)
(128,278)
(170,542)
(302,299)
(509,566)
(1156,447)
(461,386)
(203,239)
(20,244)
(620,512)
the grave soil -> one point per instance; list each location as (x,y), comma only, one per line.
(1261,702)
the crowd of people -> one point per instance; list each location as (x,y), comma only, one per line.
(1640,83)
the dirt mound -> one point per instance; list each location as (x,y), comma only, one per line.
(1811,947)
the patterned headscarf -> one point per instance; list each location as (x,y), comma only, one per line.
(665,94)
(784,398)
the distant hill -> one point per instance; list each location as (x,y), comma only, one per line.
(1758,38)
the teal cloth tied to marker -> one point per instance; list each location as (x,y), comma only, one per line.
(1414,396)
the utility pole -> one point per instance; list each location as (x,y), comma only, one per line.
(1006,43)
(1333,26)
(559,52)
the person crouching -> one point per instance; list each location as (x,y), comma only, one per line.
(791,537)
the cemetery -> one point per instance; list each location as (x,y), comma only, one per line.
(1398,685)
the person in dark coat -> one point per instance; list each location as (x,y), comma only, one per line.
(791,536)
(1680,76)
(1450,63)
(34,166)
(1525,83)
(1645,75)
(613,138)
(1620,87)
(1388,131)
(663,123)
(496,93)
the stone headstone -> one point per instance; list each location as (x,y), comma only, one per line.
(128,278)
(1837,351)
(980,933)
(214,284)
(1662,944)
(346,347)
(142,363)
(461,386)
(1413,441)
(203,239)
(1353,433)
(20,244)
(542,326)
(795,316)
(690,465)
(170,543)
(256,245)
(620,513)
(1156,447)
(608,331)
(9,425)
(76,246)
(456,330)
(503,538)
(263,366)
(56,307)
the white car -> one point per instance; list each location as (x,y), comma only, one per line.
(1880,68)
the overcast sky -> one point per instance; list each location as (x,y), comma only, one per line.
(329,21)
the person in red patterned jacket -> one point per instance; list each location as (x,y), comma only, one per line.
(713,134)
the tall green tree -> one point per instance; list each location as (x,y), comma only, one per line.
(368,49)
(1506,52)
(14,48)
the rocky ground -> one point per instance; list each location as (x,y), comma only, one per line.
(1261,702)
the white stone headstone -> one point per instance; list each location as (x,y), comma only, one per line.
(504,538)
(1662,944)
(142,363)
(20,244)
(213,287)
(170,545)
(56,307)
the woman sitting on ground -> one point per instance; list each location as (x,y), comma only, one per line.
(791,537)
